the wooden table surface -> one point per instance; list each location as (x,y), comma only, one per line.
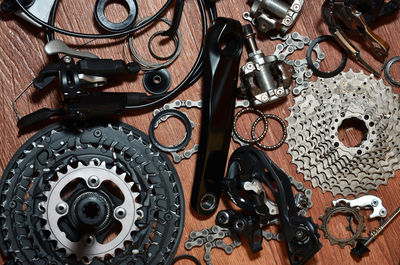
(22,57)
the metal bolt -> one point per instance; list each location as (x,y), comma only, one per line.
(280,92)
(67,59)
(97,133)
(264,98)
(89,240)
(61,208)
(12,204)
(223,217)
(120,213)
(93,182)
(239,225)
(299,234)
(41,207)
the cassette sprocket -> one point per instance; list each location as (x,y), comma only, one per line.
(314,141)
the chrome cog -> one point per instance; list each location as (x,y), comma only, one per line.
(314,142)
(92,209)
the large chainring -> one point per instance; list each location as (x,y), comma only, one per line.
(49,155)
(314,142)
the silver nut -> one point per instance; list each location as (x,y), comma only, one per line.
(120,213)
(280,92)
(93,181)
(67,59)
(62,208)
(264,98)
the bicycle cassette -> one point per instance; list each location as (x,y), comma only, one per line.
(98,194)
(313,134)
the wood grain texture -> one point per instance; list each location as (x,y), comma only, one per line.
(22,57)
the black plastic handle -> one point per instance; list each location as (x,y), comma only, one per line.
(223,49)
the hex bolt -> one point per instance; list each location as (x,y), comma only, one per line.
(120,213)
(61,208)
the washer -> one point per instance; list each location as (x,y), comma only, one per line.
(387,67)
(157,82)
(311,65)
(183,118)
(100,16)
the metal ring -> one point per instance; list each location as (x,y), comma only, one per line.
(183,118)
(310,63)
(111,26)
(189,257)
(176,42)
(388,65)
(157,82)
(284,128)
(241,112)
(147,65)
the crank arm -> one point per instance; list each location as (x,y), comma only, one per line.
(223,49)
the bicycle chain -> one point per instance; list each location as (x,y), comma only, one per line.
(291,43)
(212,237)
(27,177)
(188,153)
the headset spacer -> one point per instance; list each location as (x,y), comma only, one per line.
(183,118)
(100,16)
(259,113)
(388,65)
(284,128)
(311,65)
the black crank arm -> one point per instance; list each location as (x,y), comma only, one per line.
(223,49)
